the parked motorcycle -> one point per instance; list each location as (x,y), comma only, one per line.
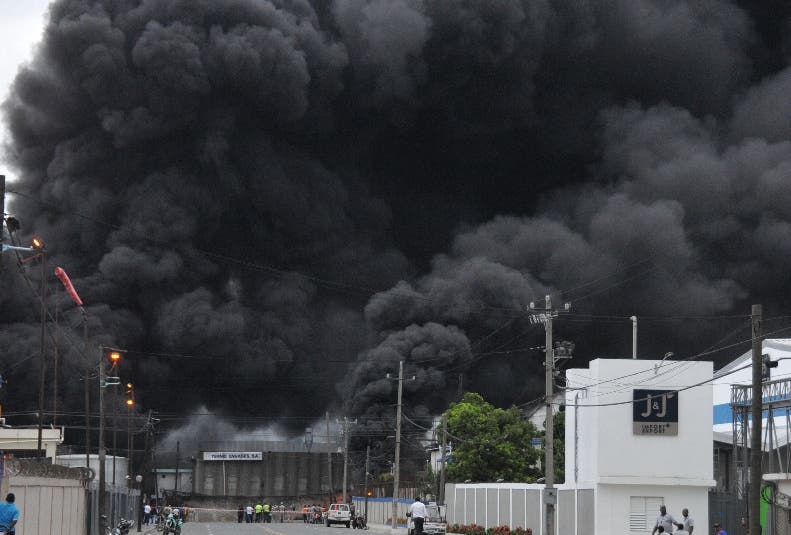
(123,527)
(358,522)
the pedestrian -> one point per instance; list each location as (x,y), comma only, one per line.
(240,515)
(267,513)
(418,512)
(282,509)
(146,513)
(9,514)
(665,520)
(304,514)
(687,524)
(249,511)
(258,509)
(719,530)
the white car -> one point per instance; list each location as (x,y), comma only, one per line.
(338,513)
(433,524)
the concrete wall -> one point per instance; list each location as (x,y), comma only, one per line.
(49,505)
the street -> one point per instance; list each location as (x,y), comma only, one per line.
(294,528)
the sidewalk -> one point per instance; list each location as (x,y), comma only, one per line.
(385,528)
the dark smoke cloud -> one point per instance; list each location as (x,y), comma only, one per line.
(273,202)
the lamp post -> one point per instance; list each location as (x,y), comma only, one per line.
(37,246)
(114,356)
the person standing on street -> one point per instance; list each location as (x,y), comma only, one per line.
(665,520)
(9,514)
(687,524)
(419,513)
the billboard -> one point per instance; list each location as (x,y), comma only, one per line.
(233,456)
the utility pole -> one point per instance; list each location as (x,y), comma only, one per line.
(178,452)
(346,423)
(442,459)
(549,471)
(145,470)
(367,468)
(329,456)
(102,386)
(43,363)
(550,496)
(397,444)
(755,434)
(87,392)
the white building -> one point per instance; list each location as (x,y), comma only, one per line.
(637,455)
(23,441)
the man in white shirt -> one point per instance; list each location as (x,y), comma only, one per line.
(146,514)
(418,512)
(687,524)
(665,520)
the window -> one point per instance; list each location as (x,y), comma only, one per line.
(643,511)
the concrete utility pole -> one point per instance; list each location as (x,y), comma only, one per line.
(102,386)
(367,469)
(755,434)
(549,472)
(329,456)
(545,316)
(634,336)
(43,363)
(397,444)
(346,423)
(442,455)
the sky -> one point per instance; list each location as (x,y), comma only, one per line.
(270,203)
(22,24)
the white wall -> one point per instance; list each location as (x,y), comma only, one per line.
(614,500)
(609,451)
(49,505)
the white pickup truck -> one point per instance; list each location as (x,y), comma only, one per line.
(338,513)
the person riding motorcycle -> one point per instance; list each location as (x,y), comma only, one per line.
(173,523)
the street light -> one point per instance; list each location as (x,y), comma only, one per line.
(114,356)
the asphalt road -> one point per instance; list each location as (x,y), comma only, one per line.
(289,528)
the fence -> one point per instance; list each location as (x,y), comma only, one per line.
(518,505)
(380,510)
(51,499)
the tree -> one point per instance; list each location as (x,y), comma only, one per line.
(490,443)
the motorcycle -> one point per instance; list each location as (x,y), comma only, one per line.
(173,525)
(123,527)
(358,522)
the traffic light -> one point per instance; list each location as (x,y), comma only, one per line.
(766,365)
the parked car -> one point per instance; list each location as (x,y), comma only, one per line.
(338,513)
(434,523)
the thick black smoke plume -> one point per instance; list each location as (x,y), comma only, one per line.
(263,199)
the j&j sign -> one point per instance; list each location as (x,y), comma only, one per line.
(655,412)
